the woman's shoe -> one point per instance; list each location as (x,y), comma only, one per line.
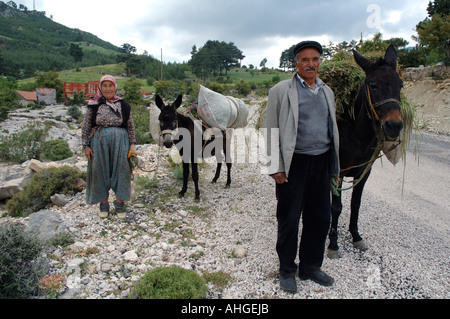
(104,210)
(120,210)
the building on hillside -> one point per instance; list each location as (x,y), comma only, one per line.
(48,96)
(26,97)
(89,89)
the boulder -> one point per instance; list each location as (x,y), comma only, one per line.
(45,225)
(12,180)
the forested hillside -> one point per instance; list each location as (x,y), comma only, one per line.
(44,44)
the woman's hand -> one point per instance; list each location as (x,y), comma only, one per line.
(132,150)
(89,154)
(280,178)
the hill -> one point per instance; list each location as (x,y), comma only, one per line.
(44,44)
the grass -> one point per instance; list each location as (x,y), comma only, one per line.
(94,73)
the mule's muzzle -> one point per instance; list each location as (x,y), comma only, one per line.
(392,129)
(167,138)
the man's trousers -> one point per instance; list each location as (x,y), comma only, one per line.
(306,194)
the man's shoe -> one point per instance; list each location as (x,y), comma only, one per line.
(317,276)
(288,284)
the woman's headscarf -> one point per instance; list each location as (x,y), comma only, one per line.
(99,96)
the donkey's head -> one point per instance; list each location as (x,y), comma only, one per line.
(382,90)
(168,119)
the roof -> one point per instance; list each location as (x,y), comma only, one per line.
(29,96)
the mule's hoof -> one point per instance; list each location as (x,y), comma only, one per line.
(196,199)
(361,245)
(213,181)
(333,254)
(180,195)
(227,186)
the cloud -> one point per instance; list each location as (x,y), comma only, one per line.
(260,28)
(263,25)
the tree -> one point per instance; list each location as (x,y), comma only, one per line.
(263,63)
(128,48)
(287,58)
(441,7)
(77,53)
(434,31)
(214,58)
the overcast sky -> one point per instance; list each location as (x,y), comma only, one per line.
(260,28)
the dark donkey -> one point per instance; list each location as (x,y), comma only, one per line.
(171,120)
(377,117)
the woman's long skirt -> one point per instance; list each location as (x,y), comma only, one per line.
(109,168)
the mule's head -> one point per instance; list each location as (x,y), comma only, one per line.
(168,119)
(382,87)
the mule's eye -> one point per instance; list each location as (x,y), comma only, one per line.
(372,85)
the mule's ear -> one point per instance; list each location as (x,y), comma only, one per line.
(361,61)
(391,56)
(178,101)
(159,102)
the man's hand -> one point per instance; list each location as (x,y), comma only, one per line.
(89,154)
(280,178)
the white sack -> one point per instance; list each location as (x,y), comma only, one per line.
(220,111)
(155,129)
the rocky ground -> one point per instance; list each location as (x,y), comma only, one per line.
(233,231)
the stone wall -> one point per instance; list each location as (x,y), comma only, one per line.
(429,72)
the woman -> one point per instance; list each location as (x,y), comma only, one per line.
(108,140)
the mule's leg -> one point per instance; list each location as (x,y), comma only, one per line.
(336,209)
(195,178)
(216,177)
(185,179)
(358,242)
(228,175)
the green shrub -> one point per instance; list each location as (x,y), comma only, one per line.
(21,266)
(74,112)
(243,88)
(141,119)
(170,283)
(56,150)
(22,146)
(37,192)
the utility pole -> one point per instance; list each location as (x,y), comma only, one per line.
(34,5)
(161,65)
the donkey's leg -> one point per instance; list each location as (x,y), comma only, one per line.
(195,178)
(336,209)
(358,242)
(216,177)
(228,175)
(185,179)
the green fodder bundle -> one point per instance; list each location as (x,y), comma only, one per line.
(345,79)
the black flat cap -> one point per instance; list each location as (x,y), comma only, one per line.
(307,44)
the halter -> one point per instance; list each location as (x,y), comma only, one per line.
(373,106)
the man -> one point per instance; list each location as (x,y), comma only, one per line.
(303,137)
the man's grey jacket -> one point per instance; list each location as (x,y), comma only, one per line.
(282,126)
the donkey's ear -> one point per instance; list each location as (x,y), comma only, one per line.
(391,56)
(361,61)
(178,101)
(159,102)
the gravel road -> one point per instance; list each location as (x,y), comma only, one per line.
(405,219)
